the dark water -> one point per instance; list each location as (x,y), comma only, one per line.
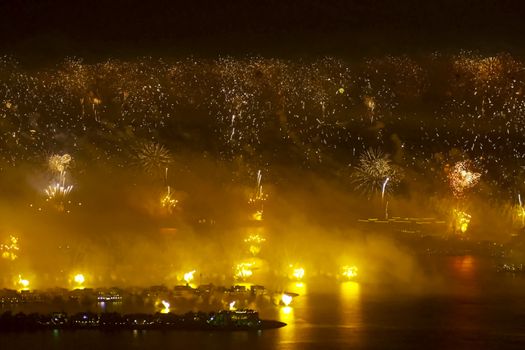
(469,307)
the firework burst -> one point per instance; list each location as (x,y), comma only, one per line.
(167,201)
(374,171)
(59,163)
(462,177)
(10,249)
(153,157)
(58,190)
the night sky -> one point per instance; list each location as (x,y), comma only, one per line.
(49,29)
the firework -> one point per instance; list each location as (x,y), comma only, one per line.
(167,201)
(255,238)
(188,276)
(57,191)
(23,283)
(165,307)
(296,273)
(244,270)
(59,163)
(462,177)
(374,171)
(153,157)
(254,241)
(520,210)
(383,188)
(258,197)
(258,215)
(461,220)
(349,272)
(10,249)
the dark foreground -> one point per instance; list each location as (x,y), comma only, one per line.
(222,321)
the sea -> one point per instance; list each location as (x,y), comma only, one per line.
(472,306)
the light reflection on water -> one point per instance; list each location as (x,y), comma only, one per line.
(349,295)
(476,308)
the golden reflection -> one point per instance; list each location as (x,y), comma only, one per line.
(350,291)
(288,333)
(286,310)
(286,315)
(350,315)
(464,265)
(297,287)
(350,312)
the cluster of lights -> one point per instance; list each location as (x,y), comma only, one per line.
(461,220)
(462,177)
(167,201)
(254,242)
(297,272)
(349,272)
(244,270)
(10,249)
